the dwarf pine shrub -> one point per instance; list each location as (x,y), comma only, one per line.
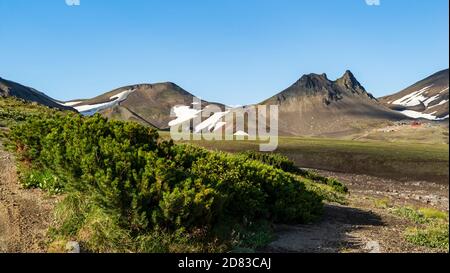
(139,184)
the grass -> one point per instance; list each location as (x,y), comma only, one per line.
(421,215)
(410,214)
(399,161)
(433,236)
(431,213)
(383,203)
(431,227)
(77,218)
(327,192)
(97,230)
(432,134)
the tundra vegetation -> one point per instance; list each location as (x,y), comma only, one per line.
(430,226)
(124,189)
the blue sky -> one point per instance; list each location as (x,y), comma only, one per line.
(232,51)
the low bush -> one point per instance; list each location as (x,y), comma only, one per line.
(126,189)
(282,162)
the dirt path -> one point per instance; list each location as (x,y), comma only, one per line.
(361,226)
(25,215)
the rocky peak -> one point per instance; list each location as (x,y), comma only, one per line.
(349,83)
(312,81)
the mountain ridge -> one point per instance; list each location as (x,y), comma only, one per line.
(312,105)
(13,89)
(427,98)
(316,105)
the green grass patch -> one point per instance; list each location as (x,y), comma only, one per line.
(431,213)
(433,236)
(40,178)
(411,214)
(400,161)
(431,230)
(383,203)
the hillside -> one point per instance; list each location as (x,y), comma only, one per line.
(148,104)
(13,89)
(315,105)
(428,98)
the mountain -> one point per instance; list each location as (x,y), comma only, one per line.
(148,104)
(428,98)
(315,105)
(13,89)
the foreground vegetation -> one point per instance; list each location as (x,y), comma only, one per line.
(126,190)
(429,227)
(14,111)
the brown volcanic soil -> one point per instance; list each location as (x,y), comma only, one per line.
(25,215)
(361,226)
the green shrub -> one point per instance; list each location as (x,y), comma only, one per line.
(137,184)
(275,160)
(420,216)
(282,162)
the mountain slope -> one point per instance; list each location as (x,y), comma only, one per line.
(148,104)
(13,89)
(428,98)
(315,105)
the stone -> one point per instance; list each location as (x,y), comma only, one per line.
(73,247)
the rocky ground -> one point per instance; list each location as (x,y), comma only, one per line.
(363,225)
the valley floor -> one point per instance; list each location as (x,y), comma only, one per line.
(366,223)
(359,226)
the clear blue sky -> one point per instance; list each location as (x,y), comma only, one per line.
(232,51)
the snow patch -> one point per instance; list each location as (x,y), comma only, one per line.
(439,104)
(71,103)
(89,110)
(443,90)
(430,100)
(443,118)
(415,114)
(413,99)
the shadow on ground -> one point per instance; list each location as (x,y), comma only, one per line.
(330,235)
